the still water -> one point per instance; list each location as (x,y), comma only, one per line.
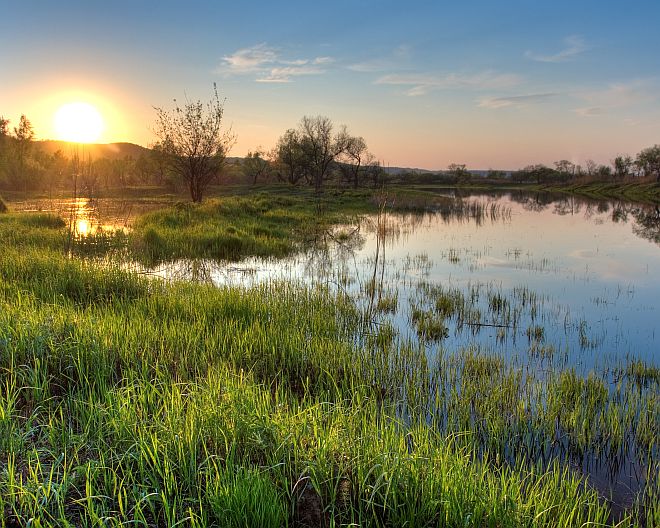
(585,273)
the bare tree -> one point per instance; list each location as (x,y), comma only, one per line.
(353,158)
(320,148)
(288,157)
(193,141)
(591,167)
(255,165)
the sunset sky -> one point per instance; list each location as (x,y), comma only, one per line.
(489,84)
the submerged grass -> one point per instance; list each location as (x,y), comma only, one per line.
(126,400)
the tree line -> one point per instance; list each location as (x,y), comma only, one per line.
(26,166)
(192,147)
(646,164)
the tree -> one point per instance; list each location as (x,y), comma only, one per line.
(565,169)
(458,171)
(496,174)
(538,173)
(354,159)
(24,134)
(288,157)
(320,147)
(648,161)
(193,141)
(622,166)
(4,141)
(255,165)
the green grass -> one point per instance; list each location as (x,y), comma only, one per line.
(211,407)
(231,228)
(127,400)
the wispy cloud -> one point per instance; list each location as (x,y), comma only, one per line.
(624,94)
(618,95)
(323,60)
(516,100)
(393,61)
(589,111)
(250,59)
(286,74)
(574,46)
(269,66)
(426,83)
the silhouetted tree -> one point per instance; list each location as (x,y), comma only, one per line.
(565,169)
(622,166)
(458,171)
(288,157)
(24,134)
(4,142)
(320,148)
(193,141)
(353,159)
(255,165)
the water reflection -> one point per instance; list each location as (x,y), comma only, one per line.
(87,216)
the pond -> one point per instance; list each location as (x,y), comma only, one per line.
(582,273)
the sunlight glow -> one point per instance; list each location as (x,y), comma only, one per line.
(78,122)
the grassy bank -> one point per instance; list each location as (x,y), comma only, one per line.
(648,193)
(634,192)
(132,401)
(233,227)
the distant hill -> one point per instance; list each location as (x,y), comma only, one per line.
(95,150)
(122,150)
(402,170)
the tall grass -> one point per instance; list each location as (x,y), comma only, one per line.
(126,400)
(130,400)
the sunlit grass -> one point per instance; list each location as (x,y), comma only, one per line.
(127,400)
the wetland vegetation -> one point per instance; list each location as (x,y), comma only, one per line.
(379,393)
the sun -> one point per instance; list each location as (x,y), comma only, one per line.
(78,122)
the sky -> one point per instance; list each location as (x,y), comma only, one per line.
(426,83)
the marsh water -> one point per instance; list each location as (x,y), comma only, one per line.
(584,272)
(546,282)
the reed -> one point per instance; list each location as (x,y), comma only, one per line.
(131,400)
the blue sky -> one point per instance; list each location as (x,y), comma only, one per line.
(490,84)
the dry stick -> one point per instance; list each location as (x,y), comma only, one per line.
(487,324)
